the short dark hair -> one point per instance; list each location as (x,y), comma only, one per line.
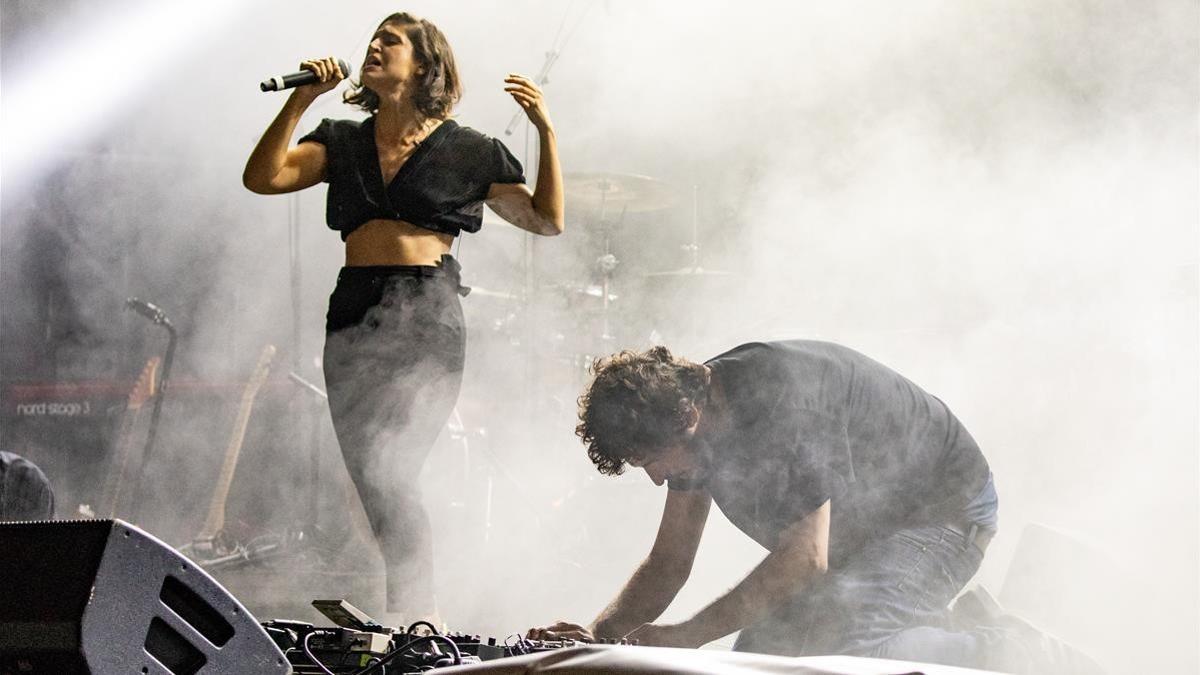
(440,86)
(637,402)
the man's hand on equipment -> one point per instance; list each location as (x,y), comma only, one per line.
(562,630)
(661,635)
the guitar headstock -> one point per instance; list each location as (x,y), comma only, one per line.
(261,371)
(146,385)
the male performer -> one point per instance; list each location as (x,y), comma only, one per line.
(874,502)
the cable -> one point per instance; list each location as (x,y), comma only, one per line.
(578,22)
(520,647)
(309,654)
(562,23)
(404,647)
(423,622)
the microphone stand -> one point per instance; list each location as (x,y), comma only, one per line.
(528,249)
(158,318)
(318,399)
(542,78)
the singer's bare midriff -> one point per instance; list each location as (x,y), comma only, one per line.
(395,242)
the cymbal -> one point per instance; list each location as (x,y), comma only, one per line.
(688,272)
(615,193)
(581,292)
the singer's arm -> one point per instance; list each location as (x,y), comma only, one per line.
(272,167)
(540,211)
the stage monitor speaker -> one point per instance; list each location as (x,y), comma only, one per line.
(1077,592)
(102,596)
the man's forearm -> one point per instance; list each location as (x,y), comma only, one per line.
(777,577)
(645,596)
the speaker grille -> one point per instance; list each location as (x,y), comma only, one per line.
(172,650)
(195,611)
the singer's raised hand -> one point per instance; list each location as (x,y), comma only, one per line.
(328,70)
(527,95)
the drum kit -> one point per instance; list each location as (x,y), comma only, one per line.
(595,292)
(625,275)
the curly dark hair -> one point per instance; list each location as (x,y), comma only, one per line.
(637,402)
(440,86)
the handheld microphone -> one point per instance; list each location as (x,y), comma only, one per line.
(299,79)
(148,310)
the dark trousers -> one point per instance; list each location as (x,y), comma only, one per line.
(394,351)
(889,600)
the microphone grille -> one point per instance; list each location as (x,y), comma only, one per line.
(345,67)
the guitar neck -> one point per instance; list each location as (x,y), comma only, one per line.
(110,500)
(109,504)
(215,521)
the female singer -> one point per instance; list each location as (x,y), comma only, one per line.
(403,183)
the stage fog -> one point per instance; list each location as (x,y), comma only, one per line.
(997,199)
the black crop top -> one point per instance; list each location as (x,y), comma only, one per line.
(441,187)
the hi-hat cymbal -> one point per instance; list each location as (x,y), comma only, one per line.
(607,195)
(575,292)
(688,273)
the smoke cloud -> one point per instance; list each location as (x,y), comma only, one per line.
(997,199)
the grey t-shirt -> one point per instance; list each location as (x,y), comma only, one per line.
(815,421)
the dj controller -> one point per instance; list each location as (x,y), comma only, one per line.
(358,645)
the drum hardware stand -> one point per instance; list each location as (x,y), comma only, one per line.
(458,431)
(607,264)
(495,472)
(693,269)
(159,318)
(693,273)
(693,247)
(310,529)
(493,467)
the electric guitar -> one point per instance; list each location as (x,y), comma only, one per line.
(211,541)
(111,503)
